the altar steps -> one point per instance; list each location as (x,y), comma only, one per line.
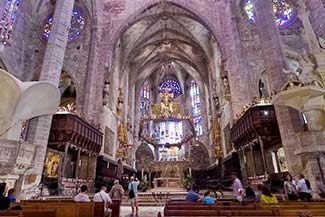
(156,198)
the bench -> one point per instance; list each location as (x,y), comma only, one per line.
(98,208)
(29,213)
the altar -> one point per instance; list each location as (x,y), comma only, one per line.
(168,182)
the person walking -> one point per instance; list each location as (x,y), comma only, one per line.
(133,195)
(102,196)
(236,187)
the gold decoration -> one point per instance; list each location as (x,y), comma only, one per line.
(293,81)
(166,108)
(254,102)
(216,136)
(68,107)
(122,133)
(164,111)
(122,137)
(52,164)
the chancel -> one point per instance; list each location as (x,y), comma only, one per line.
(180,95)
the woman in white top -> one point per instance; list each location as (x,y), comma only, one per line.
(290,188)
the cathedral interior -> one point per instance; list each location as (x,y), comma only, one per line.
(168,90)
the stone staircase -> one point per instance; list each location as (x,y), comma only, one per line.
(155,198)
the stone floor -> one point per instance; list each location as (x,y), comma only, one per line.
(146,211)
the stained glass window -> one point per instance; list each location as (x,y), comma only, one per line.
(8,19)
(77,25)
(145,99)
(172,86)
(284,12)
(196,107)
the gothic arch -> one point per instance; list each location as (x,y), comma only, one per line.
(199,16)
(143,156)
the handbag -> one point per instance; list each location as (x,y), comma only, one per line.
(131,192)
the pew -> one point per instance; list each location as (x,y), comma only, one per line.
(29,213)
(183,208)
(69,208)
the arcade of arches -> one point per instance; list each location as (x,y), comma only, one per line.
(93,90)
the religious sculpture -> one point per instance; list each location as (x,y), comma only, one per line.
(122,137)
(106,92)
(262,89)
(226,84)
(119,102)
(166,108)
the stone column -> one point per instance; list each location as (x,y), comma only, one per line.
(38,132)
(253,159)
(308,33)
(236,65)
(289,120)
(263,154)
(149,179)
(317,16)
(65,161)
(78,164)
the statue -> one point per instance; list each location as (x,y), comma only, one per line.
(226,85)
(106,93)
(119,102)
(166,105)
(262,90)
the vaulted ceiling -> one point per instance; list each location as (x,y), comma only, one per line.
(166,36)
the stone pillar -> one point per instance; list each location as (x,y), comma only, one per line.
(317,16)
(263,154)
(149,179)
(289,120)
(235,65)
(65,161)
(78,164)
(253,159)
(308,33)
(39,128)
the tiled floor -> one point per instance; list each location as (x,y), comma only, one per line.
(148,211)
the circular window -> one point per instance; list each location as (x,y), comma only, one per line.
(76,26)
(285,13)
(172,86)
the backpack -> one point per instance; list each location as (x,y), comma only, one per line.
(308,184)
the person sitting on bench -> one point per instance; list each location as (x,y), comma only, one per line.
(207,199)
(193,195)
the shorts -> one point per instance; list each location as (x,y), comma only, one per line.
(133,200)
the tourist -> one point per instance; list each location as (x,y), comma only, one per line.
(193,195)
(117,191)
(259,189)
(267,197)
(11,195)
(320,187)
(82,196)
(250,196)
(207,199)
(102,196)
(236,187)
(4,201)
(133,194)
(290,188)
(304,188)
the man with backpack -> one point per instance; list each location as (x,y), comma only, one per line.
(304,188)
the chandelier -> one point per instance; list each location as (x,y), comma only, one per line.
(167,111)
